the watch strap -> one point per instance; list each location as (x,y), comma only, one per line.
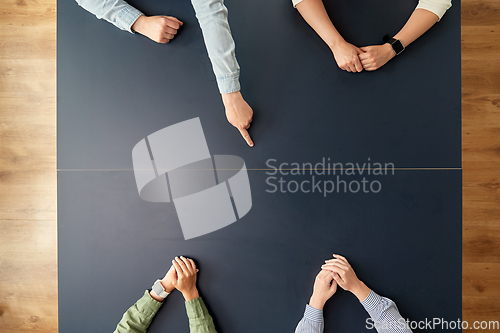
(159,290)
(396,44)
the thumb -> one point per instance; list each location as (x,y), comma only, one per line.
(176,19)
(360,50)
(246,136)
(365,49)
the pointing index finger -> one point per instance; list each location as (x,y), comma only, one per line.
(246,136)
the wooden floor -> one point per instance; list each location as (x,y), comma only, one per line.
(28,241)
(481,159)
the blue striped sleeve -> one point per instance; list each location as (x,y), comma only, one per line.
(312,322)
(384,314)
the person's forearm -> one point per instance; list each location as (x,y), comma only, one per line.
(438,7)
(316,302)
(361,291)
(116,12)
(213,18)
(188,296)
(314,13)
(385,314)
(312,322)
(200,320)
(139,316)
(155,297)
(419,22)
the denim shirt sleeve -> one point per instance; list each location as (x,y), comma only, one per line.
(212,16)
(200,320)
(312,322)
(139,316)
(117,12)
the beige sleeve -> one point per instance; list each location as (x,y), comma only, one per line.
(438,7)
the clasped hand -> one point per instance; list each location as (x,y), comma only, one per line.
(353,59)
(336,272)
(182,276)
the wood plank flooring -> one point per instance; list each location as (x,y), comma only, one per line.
(28,213)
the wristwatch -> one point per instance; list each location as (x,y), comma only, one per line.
(396,44)
(159,290)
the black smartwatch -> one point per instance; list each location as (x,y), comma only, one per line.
(396,44)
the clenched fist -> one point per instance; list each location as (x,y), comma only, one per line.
(161,29)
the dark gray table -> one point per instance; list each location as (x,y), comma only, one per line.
(115,88)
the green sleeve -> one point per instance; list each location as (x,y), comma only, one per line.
(200,320)
(139,316)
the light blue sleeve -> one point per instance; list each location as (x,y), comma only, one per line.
(117,12)
(312,322)
(385,314)
(212,16)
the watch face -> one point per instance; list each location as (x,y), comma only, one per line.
(398,47)
(157,288)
